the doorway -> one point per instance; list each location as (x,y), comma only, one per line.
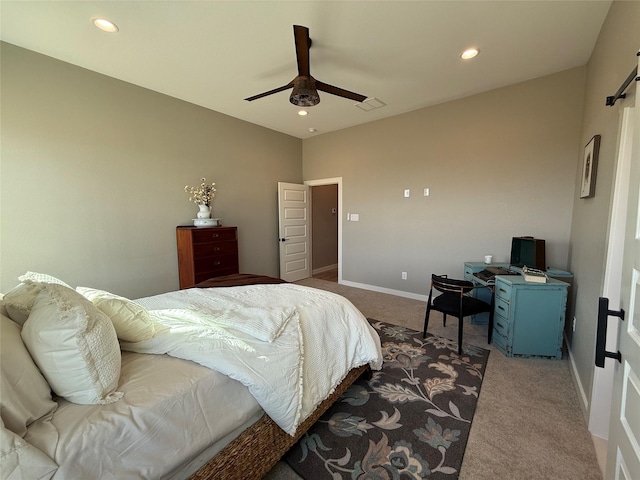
(326,228)
(324,232)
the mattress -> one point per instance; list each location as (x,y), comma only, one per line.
(173,410)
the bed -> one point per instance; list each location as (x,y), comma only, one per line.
(178,414)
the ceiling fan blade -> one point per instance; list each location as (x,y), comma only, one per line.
(303,43)
(340,92)
(270,92)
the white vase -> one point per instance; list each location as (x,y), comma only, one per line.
(205,211)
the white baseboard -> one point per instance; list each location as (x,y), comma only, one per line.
(324,269)
(390,291)
(584,400)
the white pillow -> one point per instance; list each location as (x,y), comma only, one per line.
(75,346)
(131,321)
(26,396)
(21,460)
(19,300)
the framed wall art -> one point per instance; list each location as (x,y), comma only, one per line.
(590,168)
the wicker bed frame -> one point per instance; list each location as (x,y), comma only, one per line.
(257,449)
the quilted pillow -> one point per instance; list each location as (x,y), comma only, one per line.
(26,396)
(21,460)
(75,346)
(131,321)
(19,300)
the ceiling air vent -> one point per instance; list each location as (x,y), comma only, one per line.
(370,104)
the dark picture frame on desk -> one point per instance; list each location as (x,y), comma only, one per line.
(590,167)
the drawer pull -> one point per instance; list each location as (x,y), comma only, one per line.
(216,249)
(501,308)
(217,262)
(503,290)
(215,235)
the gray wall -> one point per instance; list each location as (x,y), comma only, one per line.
(498,164)
(93,171)
(613,58)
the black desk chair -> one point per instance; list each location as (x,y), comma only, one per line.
(453,301)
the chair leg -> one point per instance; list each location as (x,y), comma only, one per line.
(426,320)
(444,319)
(460,326)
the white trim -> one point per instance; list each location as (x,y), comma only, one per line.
(390,291)
(324,269)
(576,380)
(333,181)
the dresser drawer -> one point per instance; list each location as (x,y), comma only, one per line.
(211,265)
(205,250)
(201,277)
(501,307)
(212,235)
(503,290)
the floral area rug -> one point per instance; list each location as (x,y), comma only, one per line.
(411,420)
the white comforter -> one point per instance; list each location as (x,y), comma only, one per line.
(290,345)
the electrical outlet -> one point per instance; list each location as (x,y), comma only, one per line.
(404,275)
(574,324)
(407,193)
(426,192)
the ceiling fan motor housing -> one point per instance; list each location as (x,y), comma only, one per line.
(304,92)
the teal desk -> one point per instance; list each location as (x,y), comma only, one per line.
(529,317)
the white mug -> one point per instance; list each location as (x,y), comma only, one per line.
(487,259)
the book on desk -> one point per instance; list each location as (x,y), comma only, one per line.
(534,275)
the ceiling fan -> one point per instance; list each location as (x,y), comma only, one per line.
(305,87)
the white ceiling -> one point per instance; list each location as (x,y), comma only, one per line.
(404,53)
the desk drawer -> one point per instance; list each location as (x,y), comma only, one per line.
(468,273)
(501,326)
(501,308)
(502,290)
(500,342)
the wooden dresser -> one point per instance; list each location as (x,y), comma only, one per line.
(206,252)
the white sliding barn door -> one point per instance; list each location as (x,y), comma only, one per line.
(623,458)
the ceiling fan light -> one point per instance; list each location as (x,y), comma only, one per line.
(304,92)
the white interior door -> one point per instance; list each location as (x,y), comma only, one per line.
(294,236)
(623,457)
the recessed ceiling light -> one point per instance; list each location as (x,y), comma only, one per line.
(302,113)
(105,25)
(470,53)
(312,130)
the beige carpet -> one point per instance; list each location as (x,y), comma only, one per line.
(528,423)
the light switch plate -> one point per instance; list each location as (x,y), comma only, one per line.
(407,192)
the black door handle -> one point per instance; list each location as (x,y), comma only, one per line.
(601,333)
(282,239)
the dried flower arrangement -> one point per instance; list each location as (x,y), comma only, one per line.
(203,194)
